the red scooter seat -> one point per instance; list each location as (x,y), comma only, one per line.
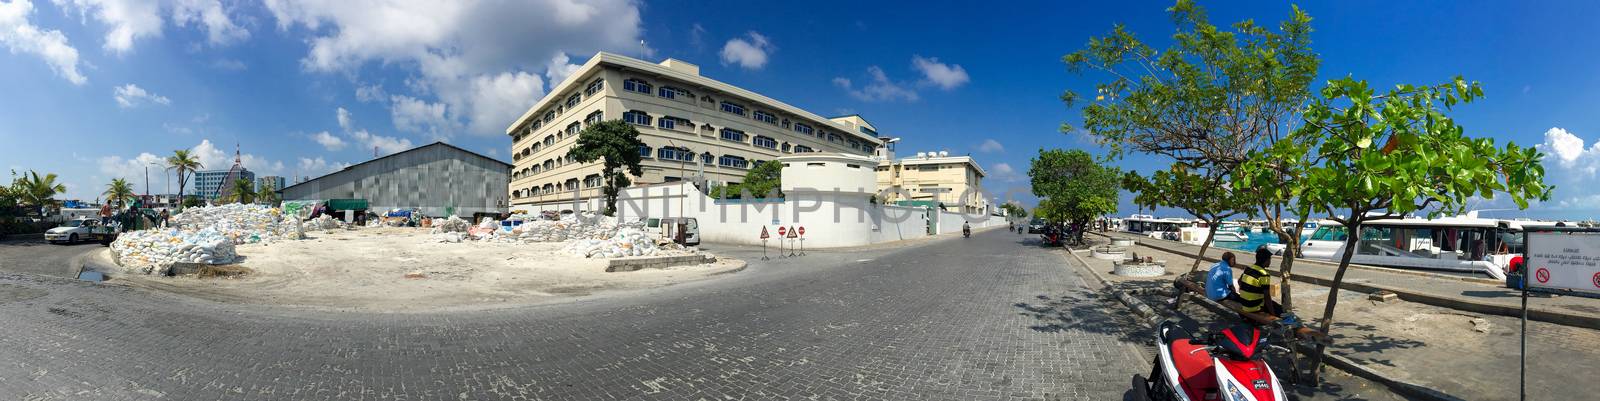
(1195,371)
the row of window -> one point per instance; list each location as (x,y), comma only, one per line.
(549,164)
(667,92)
(727,134)
(590,181)
(678,153)
(571,131)
(572,102)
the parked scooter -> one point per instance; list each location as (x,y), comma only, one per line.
(1226,365)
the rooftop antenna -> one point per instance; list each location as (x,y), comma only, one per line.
(641,49)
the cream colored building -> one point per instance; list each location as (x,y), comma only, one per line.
(934,176)
(691,125)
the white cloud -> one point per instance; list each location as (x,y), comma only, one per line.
(19,35)
(317,167)
(213,158)
(945,76)
(415,115)
(384,144)
(344,118)
(880,89)
(131,95)
(559,68)
(220,29)
(502,98)
(697,37)
(177,129)
(457,46)
(328,141)
(1003,173)
(991,146)
(1570,154)
(750,54)
(370,93)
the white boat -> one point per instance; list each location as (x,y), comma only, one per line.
(1461,243)
(1232,232)
(1169,228)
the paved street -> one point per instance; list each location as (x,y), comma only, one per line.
(970,319)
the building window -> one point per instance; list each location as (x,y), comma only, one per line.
(729,134)
(854,144)
(548,116)
(667,123)
(644,151)
(636,85)
(707,128)
(868,148)
(636,117)
(595,86)
(803,128)
(594,117)
(765,142)
(572,101)
(733,161)
(765,117)
(787,148)
(835,138)
(673,93)
(591,181)
(549,164)
(705,158)
(535,126)
(732,108)
(803,149)
(572,129)
(572,184)
(549,140)
(675,154)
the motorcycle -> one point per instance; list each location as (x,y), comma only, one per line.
(1226,365)
(966,233)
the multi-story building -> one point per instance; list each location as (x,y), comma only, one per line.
(276,182)
(208,184)
(934,178)
(692,126)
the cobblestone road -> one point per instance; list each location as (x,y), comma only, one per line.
(970,319)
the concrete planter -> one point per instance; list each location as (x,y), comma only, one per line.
(1140,269)
(1109,253)
(1122,242)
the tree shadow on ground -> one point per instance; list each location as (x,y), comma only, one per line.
(1089,313)
(1364,344)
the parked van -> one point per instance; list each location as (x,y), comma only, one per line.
(669,229)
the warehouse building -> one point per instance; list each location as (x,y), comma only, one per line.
(438,179)
(692,127)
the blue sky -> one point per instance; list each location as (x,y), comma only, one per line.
(91,86)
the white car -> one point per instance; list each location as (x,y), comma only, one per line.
(72,231)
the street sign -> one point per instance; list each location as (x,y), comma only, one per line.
(780,231)
(801,229)
(1564,260)
(792,233)
(764,234)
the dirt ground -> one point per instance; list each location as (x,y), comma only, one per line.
(405,270)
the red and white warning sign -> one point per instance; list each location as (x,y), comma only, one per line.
(764,234)
(792,233)
(801,229)
(1564,260)
(781,231)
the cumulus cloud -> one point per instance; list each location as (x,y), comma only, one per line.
(344,118)
(19,35)
(128,21)
(317,167)
(328,141)
(1003,173)
(213,158)
(502,98)
(119,167)
(879,89)
(1569,152)
(559,68)
(945,76)
(130,95)
(416,115)
(220,28)
(385,145)
(991,146)
(457,46)
(749,52)
(370,93)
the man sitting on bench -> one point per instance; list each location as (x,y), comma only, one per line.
(1254,287)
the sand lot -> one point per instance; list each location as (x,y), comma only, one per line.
(404,269)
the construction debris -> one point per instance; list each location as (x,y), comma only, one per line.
(204,235)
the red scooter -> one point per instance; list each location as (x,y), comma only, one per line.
(1222,366)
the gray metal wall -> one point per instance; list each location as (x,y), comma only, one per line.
(433,179)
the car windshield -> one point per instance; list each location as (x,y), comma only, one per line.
(72,223)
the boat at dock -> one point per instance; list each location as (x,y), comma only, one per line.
(1465,243)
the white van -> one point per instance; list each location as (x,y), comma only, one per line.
(669,229)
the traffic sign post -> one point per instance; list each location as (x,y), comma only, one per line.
(780,242)
(764,237)
(802,231)
(1562,259)
(792,235)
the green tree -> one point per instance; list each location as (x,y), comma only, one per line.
(1205,196)
(1074,186)
(766,178)
(616,144)
(192,201)
(1014,211)
(266,193)
(1389,155)
(184,163)
(37,191)
(119,191)
(243,191)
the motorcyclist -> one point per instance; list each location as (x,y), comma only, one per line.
(966,229)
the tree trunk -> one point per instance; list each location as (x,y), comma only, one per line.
(1210,236)
(1350,242)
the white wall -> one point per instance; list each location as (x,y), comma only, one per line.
(830,219)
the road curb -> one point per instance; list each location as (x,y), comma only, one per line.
(1543,315)
(1338,362)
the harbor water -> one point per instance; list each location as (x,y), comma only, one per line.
(1256,239)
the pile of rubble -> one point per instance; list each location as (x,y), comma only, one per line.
(588,235)
(322,223)
(628,241)
(201,235)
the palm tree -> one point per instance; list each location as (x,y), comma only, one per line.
(243,192)
(37,191)
(616,144)
(266,194)
(119,191)
(185,163)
